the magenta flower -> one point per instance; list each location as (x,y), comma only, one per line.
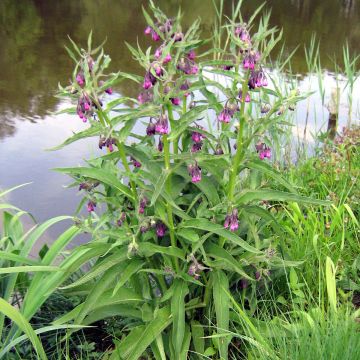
(109,142)
(155,36)
(175,101)
(135,163)
(247,97)
(162,125)
(250,60)
(242,33)
(232,221)
(191,55)
(195,172)
(84,107)
(263,150)
(158,70)
(196,147)
(148,30)
(149,80)
(160,229)
(167,59)
(158,53)
(91,206)
(150,130)
(187,66)
(142,204)
(257,79)
(228,112)
(80,79)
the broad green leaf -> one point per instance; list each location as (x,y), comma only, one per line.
(133,267)
(268,170)
(197,333)
(222,309)
(23,324)
(208,226)
(275,195)
(133,346)
(178,313)
(148,249)
(220,253)
(101,175)
(331,283)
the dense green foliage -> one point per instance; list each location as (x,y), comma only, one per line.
(199,247)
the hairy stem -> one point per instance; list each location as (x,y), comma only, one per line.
(168,189)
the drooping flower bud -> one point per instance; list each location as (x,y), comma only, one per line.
(80,79)
(162,125)
(247,97)
(219,150)
(167,59)
(91,206)
(195,172)
(175,101)
(196,147)
(160,145)
(232,221)
(160,229)
(263,150)
(250,60)
(150,130)
(178,36)
(135,163)
(84,107)
(228,112)
(121,219)
(191,55)
(142,204)
(149,80)
(257,79)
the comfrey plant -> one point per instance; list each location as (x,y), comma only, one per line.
(176,202)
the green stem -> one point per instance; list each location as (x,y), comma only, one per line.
(122,154)
(171,120)
(168,189)
(239,143)
(240,151)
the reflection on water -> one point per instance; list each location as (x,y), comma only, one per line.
(33,61)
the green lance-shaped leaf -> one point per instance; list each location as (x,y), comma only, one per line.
(148,249)
(197,332)
(186,119)
(101,175)
(268,170)
(274,195)
(133,346)
(331,283)
(178,313)
(220,253)
(21,322)
(206,225)
(132,267)
(222,305)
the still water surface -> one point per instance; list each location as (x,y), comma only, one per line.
(32,62)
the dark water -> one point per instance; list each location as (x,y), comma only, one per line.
(32,62)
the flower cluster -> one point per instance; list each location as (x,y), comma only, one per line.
(263,150)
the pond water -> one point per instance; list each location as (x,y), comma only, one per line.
(32,61)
